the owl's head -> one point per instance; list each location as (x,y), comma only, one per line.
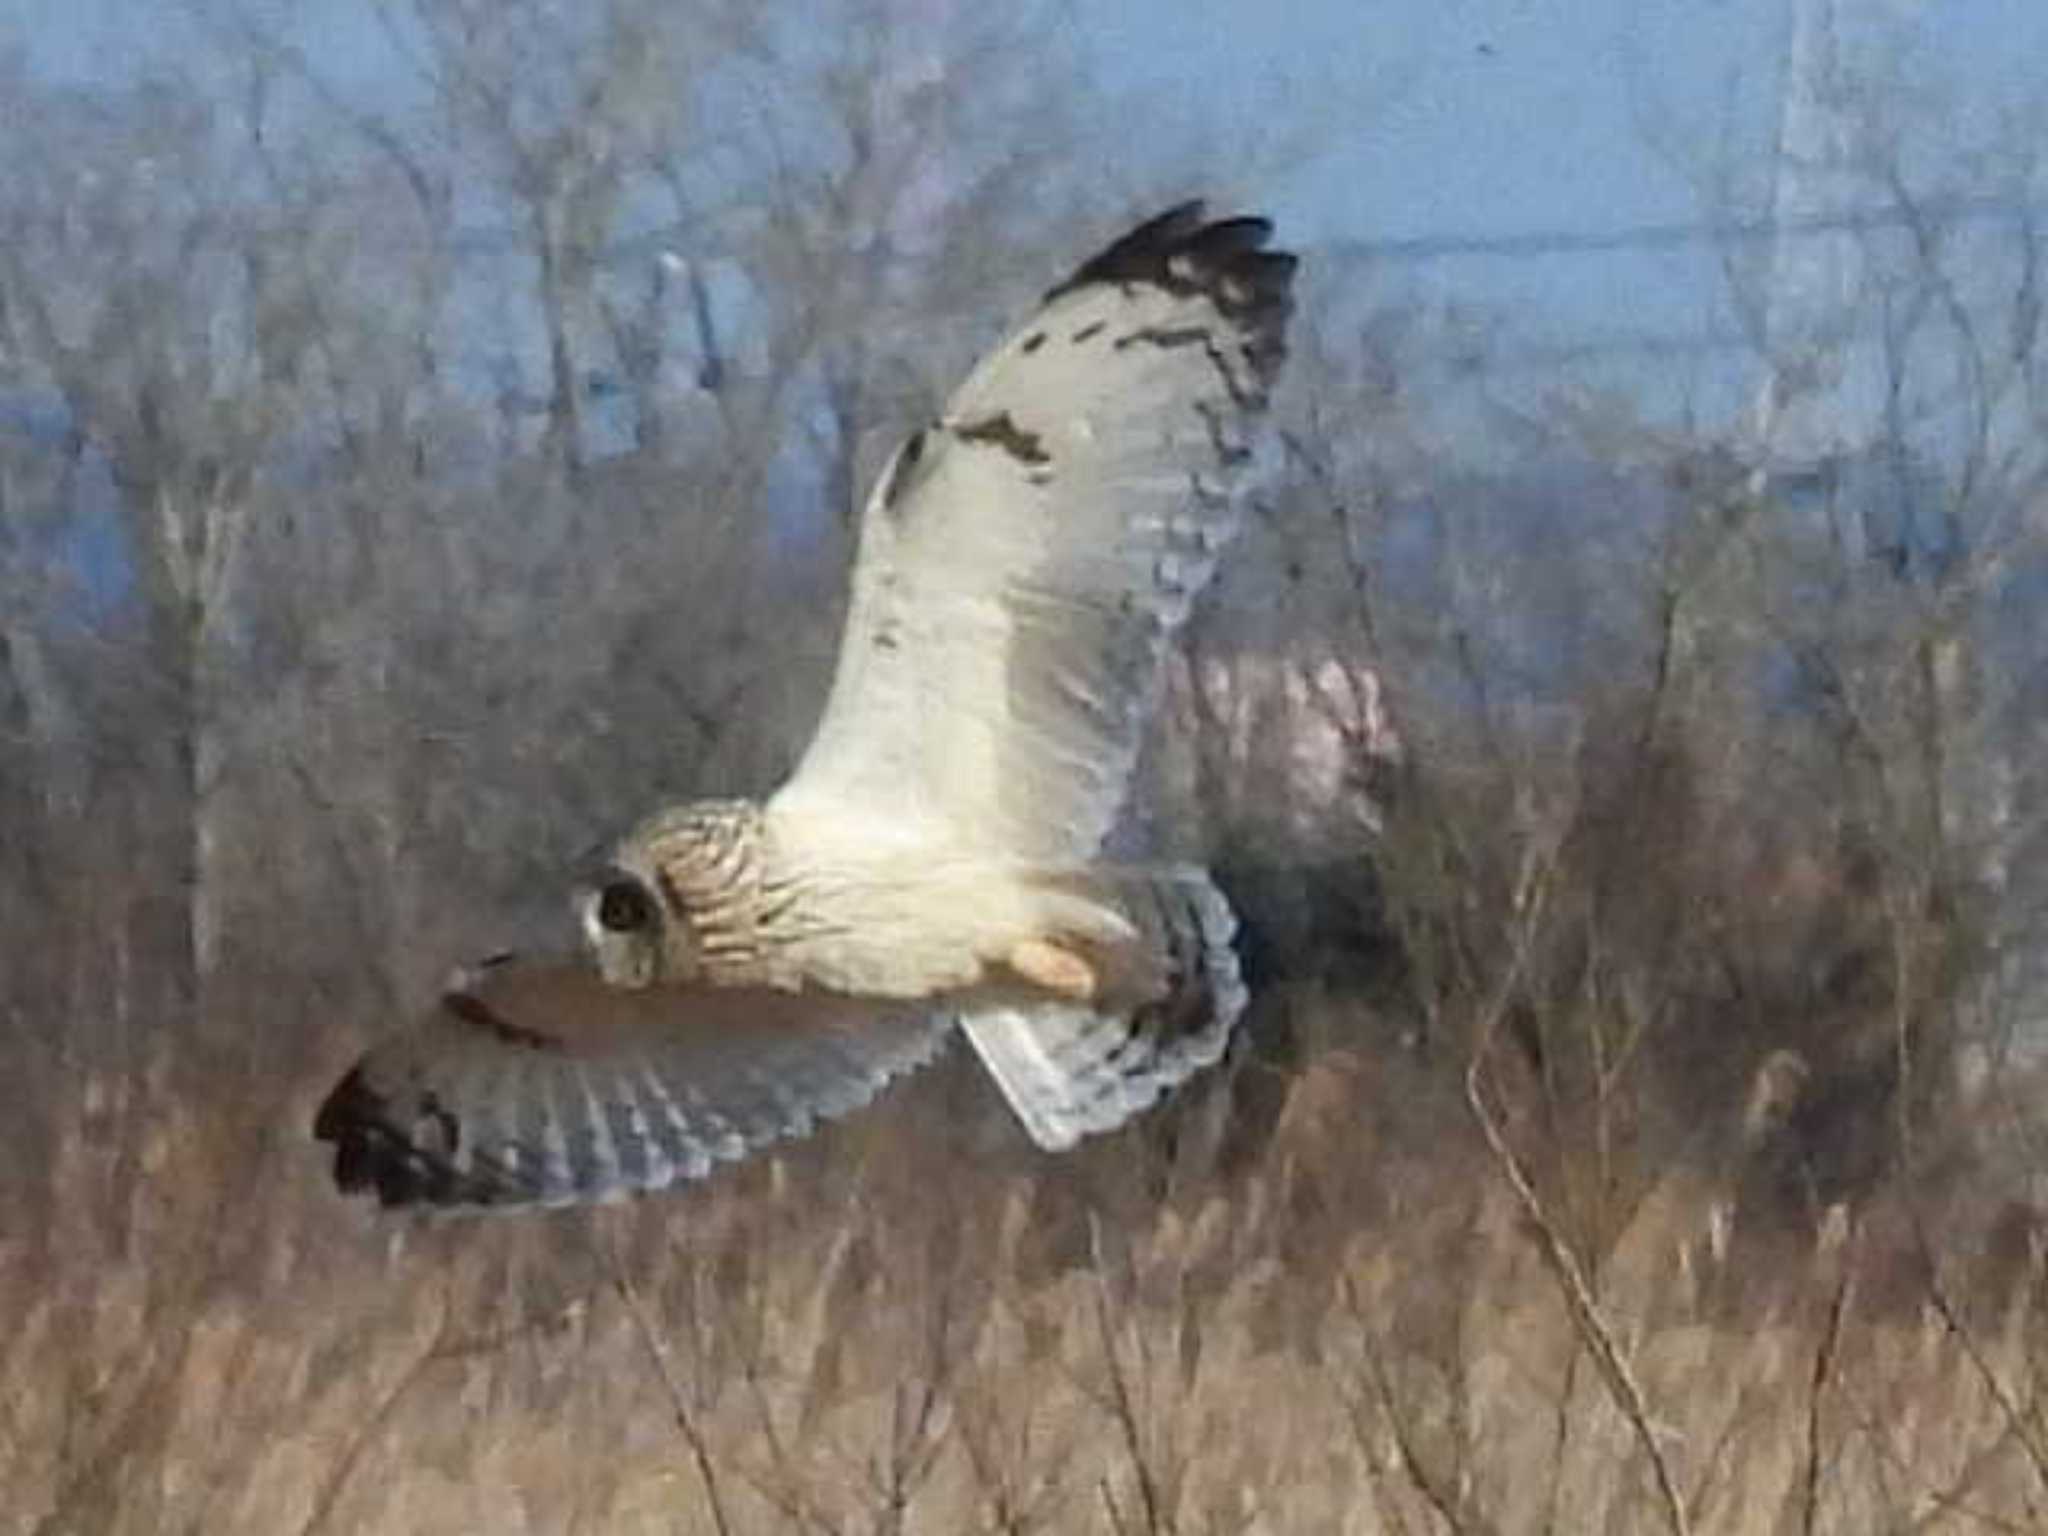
(679,888)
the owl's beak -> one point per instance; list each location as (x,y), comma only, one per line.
(543,936)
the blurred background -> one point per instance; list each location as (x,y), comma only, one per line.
(431,433)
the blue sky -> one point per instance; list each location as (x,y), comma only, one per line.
(1498,116)
(1458,120)
(1463,118)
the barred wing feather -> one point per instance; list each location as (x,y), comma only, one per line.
(542,1085)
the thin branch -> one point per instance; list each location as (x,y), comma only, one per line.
(671,1383)
(1824,1356)
(1587,1316)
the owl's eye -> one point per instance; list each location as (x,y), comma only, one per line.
(624,906)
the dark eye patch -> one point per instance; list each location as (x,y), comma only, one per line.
(624,906)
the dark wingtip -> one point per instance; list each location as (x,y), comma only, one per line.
(1183,251)
(1140,255)
(374,1153)
(369,1154)
(1224,260)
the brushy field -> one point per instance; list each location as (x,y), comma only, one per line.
(1635,1132)
(1311,1298)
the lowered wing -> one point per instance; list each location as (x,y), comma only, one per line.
(542,1085)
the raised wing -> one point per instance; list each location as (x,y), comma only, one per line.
(541,1085)
(1024,559)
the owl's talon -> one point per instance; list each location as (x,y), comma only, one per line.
(1054,967)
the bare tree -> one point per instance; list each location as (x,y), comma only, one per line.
(169,316)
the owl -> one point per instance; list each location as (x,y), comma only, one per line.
(935,863)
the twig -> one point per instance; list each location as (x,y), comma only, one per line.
(2015,1416)
(1564,1265)
(1440,1493)
(664,1369)
(1123,1409)
(338,1476)
(1823,1372)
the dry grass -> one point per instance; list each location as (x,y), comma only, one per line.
(1602,1167)
(915,1324)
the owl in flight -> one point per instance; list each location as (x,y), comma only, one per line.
(748,968)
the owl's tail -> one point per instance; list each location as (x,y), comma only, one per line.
(1071,1069)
